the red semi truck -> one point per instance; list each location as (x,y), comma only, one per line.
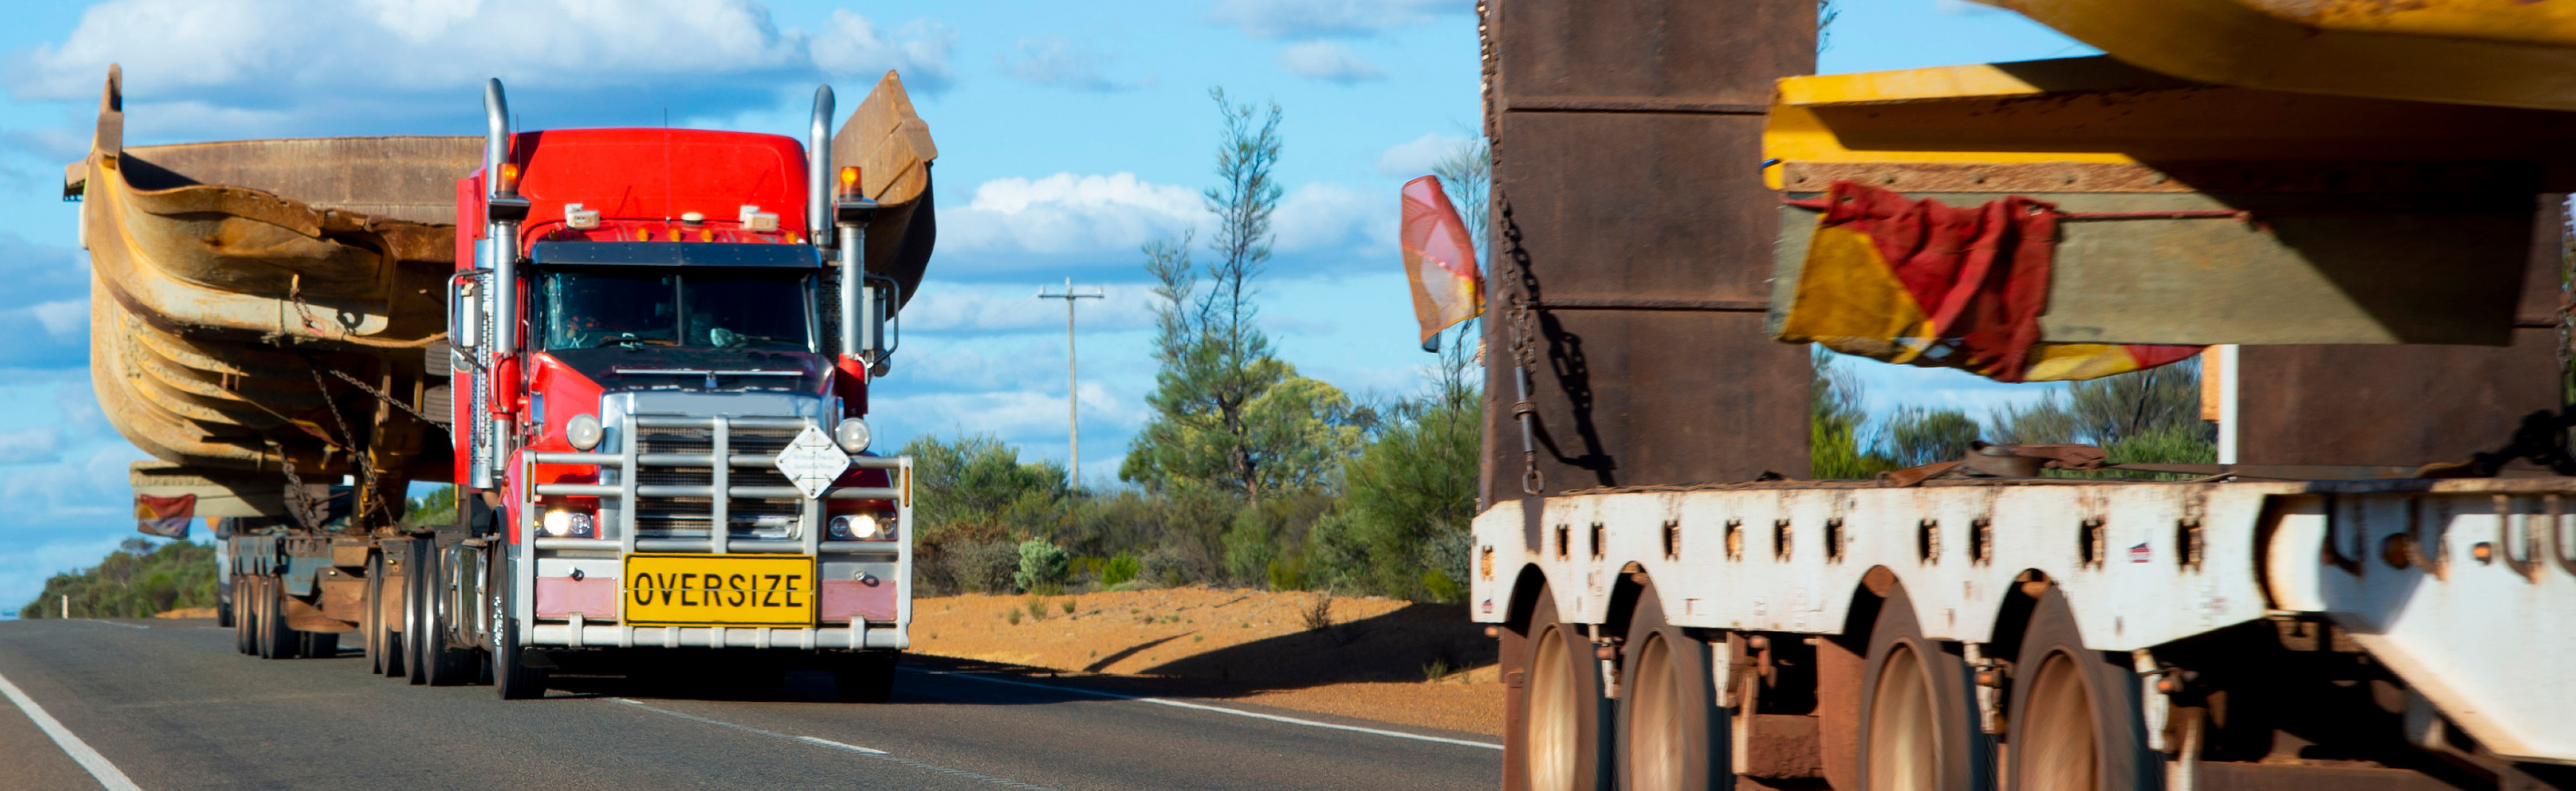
(668,375)
(651,370)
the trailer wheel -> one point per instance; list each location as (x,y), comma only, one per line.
(1560,707)
(371,623)
(2075,723)
(244,633)
(867,677)
(276,640)
(1918,720)
(1669,732)
(318,645)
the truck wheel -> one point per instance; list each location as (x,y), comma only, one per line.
(511,674)
(441,666)
(867,677)
(1669,730)
(416,635)
(1918,721)
(2075,723)
(1560,707)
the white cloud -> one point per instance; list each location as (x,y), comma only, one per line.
(31,446)
(1318,217)
(1329,61)
(1415,158)
(1065,213)
(1313,18)
(64,319)
(1056,62)
(218,68)
(853,48)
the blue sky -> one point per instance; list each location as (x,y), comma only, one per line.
(1070,134)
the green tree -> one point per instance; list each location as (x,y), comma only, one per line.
(1408,499)
(1834,445)
(1916,436)
(139,579)
(1229,415)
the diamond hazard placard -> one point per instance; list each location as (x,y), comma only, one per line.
(813,462)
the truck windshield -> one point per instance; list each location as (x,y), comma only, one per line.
(584,309)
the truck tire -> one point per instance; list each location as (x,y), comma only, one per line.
(441,665)
(1918,717)
(416,635)
(866,677)
(512,676)
(1671,737)
(2075,723)
(1559,711)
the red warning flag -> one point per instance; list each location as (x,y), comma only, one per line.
(1924,283)
(1439,260)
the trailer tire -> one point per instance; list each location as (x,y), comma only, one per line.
(1671,736)
(1918,717)
(318,645)
(276,640)
(1559,711)
(867,677)
(371,623)
(244,633)
(2075,722)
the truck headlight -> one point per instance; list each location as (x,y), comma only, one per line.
(852,433)
(861,527)
(568,523)
(583,431)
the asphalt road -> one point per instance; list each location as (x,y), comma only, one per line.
(169,705)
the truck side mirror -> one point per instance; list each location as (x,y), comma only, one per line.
(881,325)
(465,310)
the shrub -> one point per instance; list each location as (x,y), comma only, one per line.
(983,567)
(1167,566)
(1042,565)
(137,580)
(1120,568)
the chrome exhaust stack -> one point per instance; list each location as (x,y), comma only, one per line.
(818,170)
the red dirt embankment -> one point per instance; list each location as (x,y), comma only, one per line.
(1378,659)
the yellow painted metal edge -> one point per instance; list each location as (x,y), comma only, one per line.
(2492,52)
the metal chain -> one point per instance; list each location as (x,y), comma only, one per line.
(366,468)
(1523,324)
(390,400)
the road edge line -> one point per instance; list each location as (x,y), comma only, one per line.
(99,768)
(1204,707)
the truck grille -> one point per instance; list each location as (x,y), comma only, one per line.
(690,517)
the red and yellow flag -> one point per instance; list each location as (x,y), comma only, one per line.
(1439,259)
(1923,283)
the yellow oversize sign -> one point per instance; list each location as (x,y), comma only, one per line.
(720,590)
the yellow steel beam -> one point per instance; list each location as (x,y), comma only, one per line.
(2513,53)
(2098,112)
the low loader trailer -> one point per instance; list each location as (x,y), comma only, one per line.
(2358,208)
(642,356)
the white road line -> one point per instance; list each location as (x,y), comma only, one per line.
(113,623)
(880,755)
(1219,709)
(107,773)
